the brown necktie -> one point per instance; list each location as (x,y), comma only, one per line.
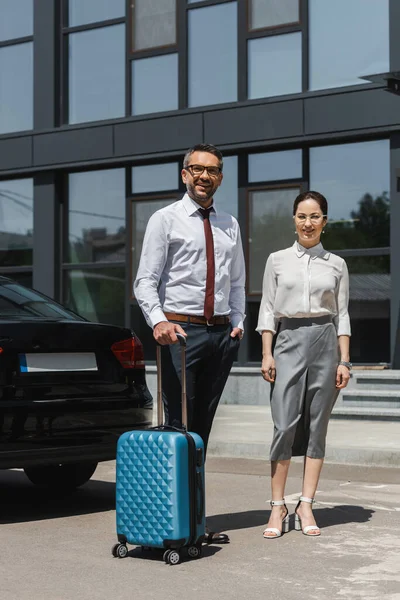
(210,279)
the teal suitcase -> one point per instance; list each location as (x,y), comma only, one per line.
(160,501)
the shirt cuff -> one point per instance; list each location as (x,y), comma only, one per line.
(270,324)
(237,320)
(156,317)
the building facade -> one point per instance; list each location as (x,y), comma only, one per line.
(99,100)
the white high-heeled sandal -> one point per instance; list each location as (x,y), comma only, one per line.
(285,522)
(297,519)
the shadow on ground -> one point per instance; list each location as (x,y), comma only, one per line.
(325,517)
(20,501)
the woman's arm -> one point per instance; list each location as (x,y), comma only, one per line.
(342,372)
(268,362)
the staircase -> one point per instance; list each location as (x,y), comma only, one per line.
(370,395)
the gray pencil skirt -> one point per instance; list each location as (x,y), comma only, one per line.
(304,393)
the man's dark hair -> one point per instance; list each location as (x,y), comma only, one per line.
(319,198)
(204,148)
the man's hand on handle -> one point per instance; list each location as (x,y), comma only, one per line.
(165,333)
(237,332)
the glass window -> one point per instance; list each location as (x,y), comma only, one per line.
(271,13)
(271,228)
(154,23)
(348,39)
(97,74)
(82,12)
(96,216)
(141,213)
(97,294)
(226,197)
(155,84)
(369,308)
(355,178)
(273,166)
(274,65)
(16,222)
(16,87)
(155,178)
(16,19)
(22,277)
(212,64)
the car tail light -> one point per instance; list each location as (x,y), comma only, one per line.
(129,353)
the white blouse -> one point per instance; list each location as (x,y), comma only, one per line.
(304,282)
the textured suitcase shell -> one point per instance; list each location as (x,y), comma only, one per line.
(153,491)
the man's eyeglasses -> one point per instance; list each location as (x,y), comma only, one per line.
(197,170)
(313,218)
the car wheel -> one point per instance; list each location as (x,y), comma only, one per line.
(68,476)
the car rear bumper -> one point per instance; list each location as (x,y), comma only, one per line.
(49,433)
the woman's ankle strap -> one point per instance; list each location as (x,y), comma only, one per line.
(305,499)
(277,502)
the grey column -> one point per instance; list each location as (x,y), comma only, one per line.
(395,249)
(47,67)
(46,235)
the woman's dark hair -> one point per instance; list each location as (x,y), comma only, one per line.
(319,198)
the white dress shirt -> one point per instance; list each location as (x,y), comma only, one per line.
(304,282)
(173,264)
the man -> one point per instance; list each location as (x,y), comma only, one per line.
(191,281)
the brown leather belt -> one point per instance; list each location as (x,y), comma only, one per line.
(197,320)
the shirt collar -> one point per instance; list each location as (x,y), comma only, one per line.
(191,206)
(313,252)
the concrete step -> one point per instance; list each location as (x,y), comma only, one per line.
(366,413)
(378,399)
(376,380)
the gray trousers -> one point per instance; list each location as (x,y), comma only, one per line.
(304,393)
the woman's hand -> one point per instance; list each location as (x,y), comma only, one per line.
(268,369)
(342,377)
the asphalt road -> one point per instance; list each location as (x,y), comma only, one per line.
(58,548)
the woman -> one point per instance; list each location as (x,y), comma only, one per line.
(305,290)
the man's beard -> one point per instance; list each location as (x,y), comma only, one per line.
(191,189)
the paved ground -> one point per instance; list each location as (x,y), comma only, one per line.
(245,431)
(59,548)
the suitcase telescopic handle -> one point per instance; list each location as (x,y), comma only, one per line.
(182,342)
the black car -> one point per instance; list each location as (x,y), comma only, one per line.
(68,388)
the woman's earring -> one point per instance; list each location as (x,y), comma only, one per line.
(323,231)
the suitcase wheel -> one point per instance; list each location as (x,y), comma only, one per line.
(119,551)
(194,551)
(171,557)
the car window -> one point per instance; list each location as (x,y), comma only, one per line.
(21,302)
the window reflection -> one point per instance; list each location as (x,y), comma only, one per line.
(154,23)
(355,178)
(16,19)
(96,294)
(347,39)
(273,166)
(270,229)
(212,64)
(155,178)
(155,84)
(16,87)
(97,74)
(16,222)
(96,216)
(141,213)
(369,308)
(274,65)
(226,197)
(270,13)
(82,12)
